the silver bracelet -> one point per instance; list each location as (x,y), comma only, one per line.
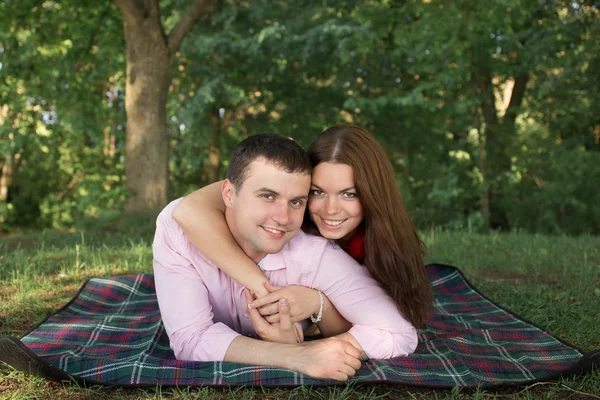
(320,314)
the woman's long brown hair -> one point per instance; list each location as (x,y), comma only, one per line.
(394,251)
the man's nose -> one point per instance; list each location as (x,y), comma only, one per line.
(282,214)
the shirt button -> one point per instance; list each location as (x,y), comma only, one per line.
(246,316)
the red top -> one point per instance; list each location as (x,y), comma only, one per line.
(356,246)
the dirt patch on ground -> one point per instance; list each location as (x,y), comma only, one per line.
(7,291)
(17,242)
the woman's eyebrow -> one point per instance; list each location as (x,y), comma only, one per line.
(341,191)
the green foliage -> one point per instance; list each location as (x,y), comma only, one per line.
(417,74)
(557,194)
(63,102)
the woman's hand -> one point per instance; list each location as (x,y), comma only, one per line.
(302,302)
(285,331)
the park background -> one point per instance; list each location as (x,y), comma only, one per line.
(489,113)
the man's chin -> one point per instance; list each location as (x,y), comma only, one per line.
(271,245)
(275,248)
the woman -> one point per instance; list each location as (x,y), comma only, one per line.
(354,200)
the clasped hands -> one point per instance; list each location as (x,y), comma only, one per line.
(276,316)
(302,302)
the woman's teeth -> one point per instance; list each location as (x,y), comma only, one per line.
(333,223)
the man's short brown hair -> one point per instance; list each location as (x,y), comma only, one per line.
(278,150)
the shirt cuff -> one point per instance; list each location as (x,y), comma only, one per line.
(209,346)
(382,344)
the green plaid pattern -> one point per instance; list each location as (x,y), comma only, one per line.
(111,333)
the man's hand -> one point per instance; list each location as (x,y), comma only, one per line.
(282,332)
(327,359)
(303,302)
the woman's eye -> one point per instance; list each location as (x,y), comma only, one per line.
(349,195)
(316,192)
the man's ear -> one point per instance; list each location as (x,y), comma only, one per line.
(227,192)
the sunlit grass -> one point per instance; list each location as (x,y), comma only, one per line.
(551,281)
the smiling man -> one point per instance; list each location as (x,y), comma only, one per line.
(205,312)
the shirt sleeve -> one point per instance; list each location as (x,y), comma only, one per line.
(377,324)
(183,299)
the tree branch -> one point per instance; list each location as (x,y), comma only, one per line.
(197,10)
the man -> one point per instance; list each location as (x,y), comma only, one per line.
(205,312)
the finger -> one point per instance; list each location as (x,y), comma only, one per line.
(299,331)
(249,298)
(254,294)
(261,326)
(295,317)
(273,319)
(347,370)
(272,288)
(353,363)
(340,376)
(352,351)
(265,300)
(269,309)
(256,318)
(284,315)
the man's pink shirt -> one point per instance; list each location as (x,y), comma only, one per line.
(203,309)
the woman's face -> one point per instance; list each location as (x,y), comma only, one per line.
(333,202)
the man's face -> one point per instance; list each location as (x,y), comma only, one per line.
(268,210)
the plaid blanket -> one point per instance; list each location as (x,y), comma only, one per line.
(111,333)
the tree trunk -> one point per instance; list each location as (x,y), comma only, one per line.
(149,52)
(146,148)
(498,133)
(498,164)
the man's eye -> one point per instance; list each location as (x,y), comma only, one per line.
(349,195)
(268,196)
(297,203)
(316,192)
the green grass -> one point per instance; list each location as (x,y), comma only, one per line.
(551,281)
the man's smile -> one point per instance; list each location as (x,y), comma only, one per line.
(273,231)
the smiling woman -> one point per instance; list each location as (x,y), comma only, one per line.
(355,201)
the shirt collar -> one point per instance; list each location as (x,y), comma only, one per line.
(272,262)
